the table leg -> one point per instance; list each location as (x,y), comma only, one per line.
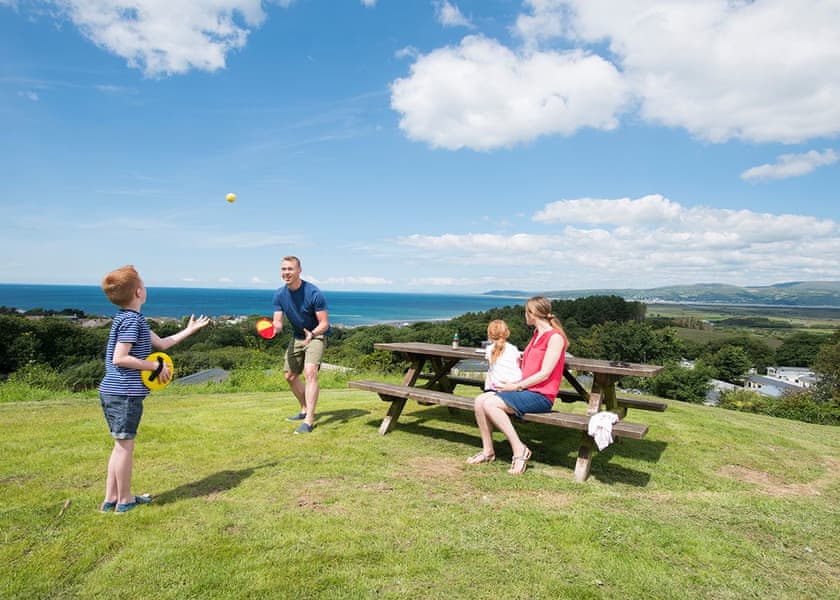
(602,395)
(440,370)
(413,371)
(584,459)
(567,373)
(595,398)
(390,419)
(606,384)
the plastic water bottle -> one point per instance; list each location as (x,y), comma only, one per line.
(455,340)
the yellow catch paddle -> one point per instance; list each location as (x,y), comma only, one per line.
(151,379)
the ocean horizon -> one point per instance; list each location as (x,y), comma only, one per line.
(349,309)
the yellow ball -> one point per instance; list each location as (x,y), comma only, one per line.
(231,197)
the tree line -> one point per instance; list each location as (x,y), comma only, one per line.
(56,351)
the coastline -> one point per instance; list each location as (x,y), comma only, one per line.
(346,309)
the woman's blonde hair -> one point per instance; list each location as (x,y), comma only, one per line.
(498,333)
(540,307)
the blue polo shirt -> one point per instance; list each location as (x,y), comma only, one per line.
(300,306)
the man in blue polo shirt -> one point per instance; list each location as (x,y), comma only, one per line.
(306,309)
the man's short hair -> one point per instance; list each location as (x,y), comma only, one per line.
(294,259)
(119,285)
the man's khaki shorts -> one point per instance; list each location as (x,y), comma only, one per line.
(299,354)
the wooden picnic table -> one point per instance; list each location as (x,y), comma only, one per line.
(433,364)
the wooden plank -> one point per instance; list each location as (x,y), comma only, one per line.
(591,365)
(390,391)
(642,404)
(457,380)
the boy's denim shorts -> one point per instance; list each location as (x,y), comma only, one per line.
(123,414)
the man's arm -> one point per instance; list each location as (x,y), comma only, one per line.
(321,327)
(278,321)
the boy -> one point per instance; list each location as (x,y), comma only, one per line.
(121,391)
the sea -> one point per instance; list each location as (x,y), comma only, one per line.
(349,309)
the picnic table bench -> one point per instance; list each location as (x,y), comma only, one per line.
(438,361)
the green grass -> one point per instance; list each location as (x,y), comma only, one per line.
(713,504)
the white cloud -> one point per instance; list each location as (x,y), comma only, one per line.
(407,52)
(547,20)
(645,242)
(30,95)
(482,95)
(791,165)
(369,3)
(351,281)
(761,71)
(165,38)
(450,283)
(649,209)
(114,89)
(450,15)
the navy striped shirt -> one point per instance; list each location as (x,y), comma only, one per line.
(130,327)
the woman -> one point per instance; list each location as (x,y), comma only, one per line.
(542,372)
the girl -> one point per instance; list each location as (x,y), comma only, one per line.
(502,356)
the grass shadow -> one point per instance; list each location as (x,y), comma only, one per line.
(554,446)
(340,416)
(217,482)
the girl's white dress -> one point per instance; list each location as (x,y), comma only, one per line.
(506,367)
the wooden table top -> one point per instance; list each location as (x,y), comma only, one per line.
(592,365)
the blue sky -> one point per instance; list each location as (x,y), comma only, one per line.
(424,146)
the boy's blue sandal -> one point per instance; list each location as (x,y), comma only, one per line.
(138,500)
(297,417)
(107,507)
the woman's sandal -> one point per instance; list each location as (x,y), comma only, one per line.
(480,458)
(520,463)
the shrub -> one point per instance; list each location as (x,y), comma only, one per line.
(84,376)
(38,375)
(678,383)
(744,401)
(798,406)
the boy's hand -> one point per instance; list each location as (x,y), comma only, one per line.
(196,324)
(165,374)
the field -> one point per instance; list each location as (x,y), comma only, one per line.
(802,318)
(713,504)
(724,321)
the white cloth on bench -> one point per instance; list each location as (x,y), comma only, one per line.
(600,428)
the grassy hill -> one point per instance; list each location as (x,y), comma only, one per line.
(798,293)
(713,504)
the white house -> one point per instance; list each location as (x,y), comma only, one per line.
(798,376)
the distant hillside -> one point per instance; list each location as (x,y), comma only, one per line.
(793,293)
